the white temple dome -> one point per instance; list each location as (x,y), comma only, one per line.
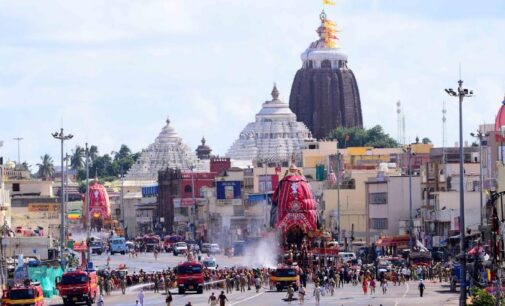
(167,151)
(275,136)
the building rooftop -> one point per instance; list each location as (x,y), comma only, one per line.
(275,136)
(167,151)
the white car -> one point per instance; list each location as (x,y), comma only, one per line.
(180,248)
(347,256)
(210,263)
(214,249)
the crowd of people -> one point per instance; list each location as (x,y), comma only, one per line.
(325,275)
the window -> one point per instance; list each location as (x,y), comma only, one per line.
(238,210)
(378,198)
(188,189)
(326,64)
(16,187)
(378,223)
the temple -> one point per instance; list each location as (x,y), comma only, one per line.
(167,151)
(275,136)
(325,94)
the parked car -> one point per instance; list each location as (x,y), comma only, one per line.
(347,256)
(205,247)
(238,248)
(118,245)
(180,248)
(210,263)
(97,247)
(214,249)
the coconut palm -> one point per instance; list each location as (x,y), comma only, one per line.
(93,153)
(46,167)
(76,160)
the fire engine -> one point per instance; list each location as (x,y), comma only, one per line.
(28,294)
(78,286)
(190,276)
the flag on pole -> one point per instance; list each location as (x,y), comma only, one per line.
(328,2)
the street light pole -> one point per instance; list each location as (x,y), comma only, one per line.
(461,94)
(338,195)
(122,200)
(480,136)
(408,150)
(88,215)
(195,217)
(18,139)
(62,137)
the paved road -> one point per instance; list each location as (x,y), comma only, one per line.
(435,294)
(147,262)
(405,295)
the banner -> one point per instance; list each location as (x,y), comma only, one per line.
(228,190)
(44,207)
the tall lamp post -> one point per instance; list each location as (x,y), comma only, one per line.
(461,94)
(408,150)
(338,195)
(62,137)
(195,217)
(481,136)
(18,139)
(88,214)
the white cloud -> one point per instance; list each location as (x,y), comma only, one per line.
(114,69)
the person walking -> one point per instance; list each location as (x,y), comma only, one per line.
(372,286)
(291,292)
(222,299)
(212,300)
(301,295)
(100,301)
(364,285)
(257,283)
(421,287)
(384,286)
(168,299)
(140,297)
(317,293)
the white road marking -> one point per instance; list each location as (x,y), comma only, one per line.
(248,298)
(403,296)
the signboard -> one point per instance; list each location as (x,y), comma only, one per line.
(144,219)
(228,190)
(268,182)
(183,202)
(45,207)
(188,202)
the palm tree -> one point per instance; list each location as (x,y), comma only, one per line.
(93,153)
(46,168)
(76,161)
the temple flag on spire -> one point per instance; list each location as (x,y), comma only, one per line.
(328,2)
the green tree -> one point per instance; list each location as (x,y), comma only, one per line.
(361,137)
(93,153)
(101,166)
(426,140)
(76,160)
(123,152)
(482,298)
(46,167)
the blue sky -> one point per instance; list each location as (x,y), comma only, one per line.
(114,70)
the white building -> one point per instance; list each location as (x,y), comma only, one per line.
(167,151)
(275,136)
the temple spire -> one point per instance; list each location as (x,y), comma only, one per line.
(275,92)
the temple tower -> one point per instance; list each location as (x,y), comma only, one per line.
(325,94)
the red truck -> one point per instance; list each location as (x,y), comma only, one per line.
(29,294)
(190,276)
(78,286)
